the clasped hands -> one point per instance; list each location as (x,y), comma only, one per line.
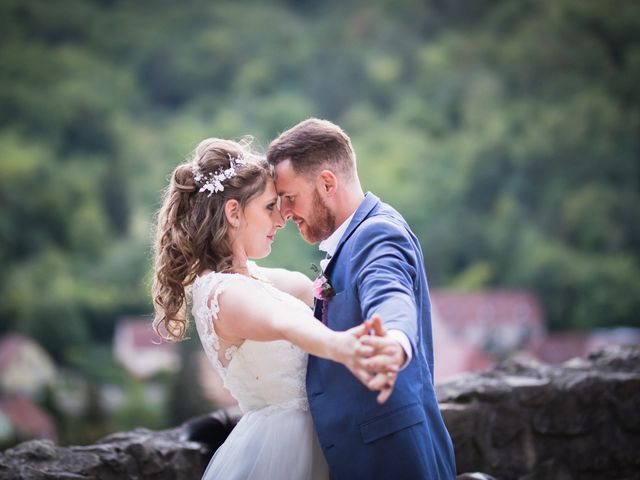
(377,357)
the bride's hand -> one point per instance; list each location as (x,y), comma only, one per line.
(349,350)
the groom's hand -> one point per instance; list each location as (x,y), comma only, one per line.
(386,359)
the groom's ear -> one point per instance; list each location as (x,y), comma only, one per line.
(328,182)
(232,212)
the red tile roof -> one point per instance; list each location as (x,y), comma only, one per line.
(140,331)
(491,307)
(29,420)
(562,346)
(469,328)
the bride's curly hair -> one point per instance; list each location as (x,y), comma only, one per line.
(191,229)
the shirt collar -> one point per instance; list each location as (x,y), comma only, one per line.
(331,243)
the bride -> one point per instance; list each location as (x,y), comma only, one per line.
(255,324)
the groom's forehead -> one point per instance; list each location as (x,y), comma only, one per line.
(286,172)
(281,189)
(288,186)
(285,182)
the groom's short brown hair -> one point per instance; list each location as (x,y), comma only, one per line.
(313,145)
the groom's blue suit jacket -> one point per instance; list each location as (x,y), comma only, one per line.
(378,268)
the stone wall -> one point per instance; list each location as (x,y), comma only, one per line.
(136,455)
(526,420)
(522,420)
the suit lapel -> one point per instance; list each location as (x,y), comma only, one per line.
(368,204)
(317,308)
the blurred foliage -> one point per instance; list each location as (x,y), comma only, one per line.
(506,132)
(137,410)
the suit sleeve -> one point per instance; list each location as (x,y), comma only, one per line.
(385,262)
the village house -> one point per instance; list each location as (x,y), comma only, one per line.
(559,347)
(25,370)
(472,330)
(25,367)
(139,349)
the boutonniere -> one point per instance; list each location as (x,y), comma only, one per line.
(322,290)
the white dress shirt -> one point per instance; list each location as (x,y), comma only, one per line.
(329,245)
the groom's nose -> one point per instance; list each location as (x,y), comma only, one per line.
(285,210)
(279,220)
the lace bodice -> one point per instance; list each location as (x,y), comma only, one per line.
(258,374)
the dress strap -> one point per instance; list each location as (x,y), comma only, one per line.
(213,302)
(210,286)
(206,307)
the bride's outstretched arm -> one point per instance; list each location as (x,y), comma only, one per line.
(249,311)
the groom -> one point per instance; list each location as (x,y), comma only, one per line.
(375,268)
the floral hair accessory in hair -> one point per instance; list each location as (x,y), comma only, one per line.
(212,182)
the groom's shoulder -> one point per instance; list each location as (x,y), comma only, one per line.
(381,224)
(385,215)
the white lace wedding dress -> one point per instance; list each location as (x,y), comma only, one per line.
(275,438)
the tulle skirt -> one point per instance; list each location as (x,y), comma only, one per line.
(271,443)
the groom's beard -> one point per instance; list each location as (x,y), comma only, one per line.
(321,224)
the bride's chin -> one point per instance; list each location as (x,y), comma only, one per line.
(262,254)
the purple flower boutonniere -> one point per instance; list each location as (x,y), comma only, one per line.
(322,290)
